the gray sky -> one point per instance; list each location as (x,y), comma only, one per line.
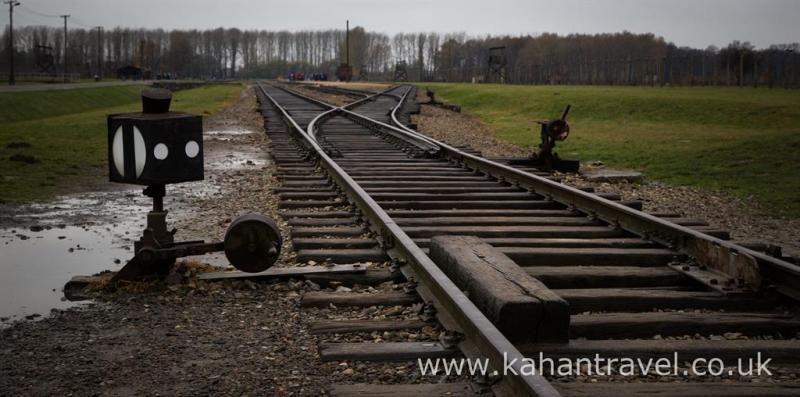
(696,23)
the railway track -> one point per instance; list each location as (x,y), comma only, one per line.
(358,186)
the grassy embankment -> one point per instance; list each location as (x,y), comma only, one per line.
(740,140)
(66,131)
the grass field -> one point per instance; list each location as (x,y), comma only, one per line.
(66,131)
(739,140)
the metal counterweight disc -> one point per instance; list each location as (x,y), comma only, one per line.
(252,243)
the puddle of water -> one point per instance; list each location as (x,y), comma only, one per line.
(94,208)
(35,267)
(80,235)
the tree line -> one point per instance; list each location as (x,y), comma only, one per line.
(613,58)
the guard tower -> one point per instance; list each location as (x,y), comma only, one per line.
(44,59)
(496,70)
(400,71)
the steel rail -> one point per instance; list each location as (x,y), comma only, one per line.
(339,90)
(473,324)
(366,98)
(372,97)
(785,275)
(400,125)
(412,138)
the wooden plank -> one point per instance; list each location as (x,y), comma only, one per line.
(345,255)
(327,231)
(546,256)
(469,204)
(646,325)
(631,299)
(780,351)
(411,178)
(315,214)
(563,277)
(622,242)
(521,307)
(370,277)
(498,221)
(345,326)
(397,214)
(659,389)
(443,189)
(321,221)
(323,299)
(318,188)
(387,351)
(310,204)
(410,390)
(317,243)
(284,272)
(308,195)
(516,231)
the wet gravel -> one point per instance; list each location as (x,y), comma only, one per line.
(229,338)
(462,129)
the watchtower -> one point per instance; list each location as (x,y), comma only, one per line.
(400,71)
(45,60)
(496,70)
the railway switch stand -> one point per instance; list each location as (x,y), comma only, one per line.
(157,147)
(545,158)
(431,95)
(433,102)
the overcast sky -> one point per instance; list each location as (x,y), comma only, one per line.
(696,23)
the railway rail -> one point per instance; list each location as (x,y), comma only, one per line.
(358,185)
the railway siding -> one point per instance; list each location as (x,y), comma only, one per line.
(359,185)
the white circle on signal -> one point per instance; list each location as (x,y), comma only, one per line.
(160,152)
(118,152)
(192,149)
(139,151)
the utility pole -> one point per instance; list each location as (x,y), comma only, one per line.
(347,43)
(11,4)
(741,67)
(99,53)
(66,65)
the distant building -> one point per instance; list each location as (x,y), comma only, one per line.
(129,72)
